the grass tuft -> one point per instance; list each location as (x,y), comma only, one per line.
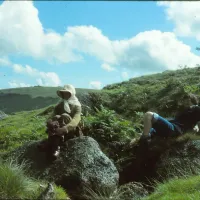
(177,189)
(15,184)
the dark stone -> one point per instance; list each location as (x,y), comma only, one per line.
(81,165)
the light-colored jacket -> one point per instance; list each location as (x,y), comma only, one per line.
(75,114)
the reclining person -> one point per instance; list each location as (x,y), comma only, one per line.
(156,125)
(65,119)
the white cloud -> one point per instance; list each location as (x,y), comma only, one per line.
(50,78)
(107,67)
(90,40)
(4,61)
(186,17)
(42,78)
(125,75)
(27,70)
(156,51)
(15,84)
(22,33)
(149,51)
(96,84)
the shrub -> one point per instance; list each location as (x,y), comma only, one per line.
(112,132)
(192,89)
(106,126)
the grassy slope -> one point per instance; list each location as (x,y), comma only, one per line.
(177,189)
(30,125)
(21,127)
(161,92)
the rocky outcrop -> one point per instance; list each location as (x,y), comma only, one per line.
(81,166)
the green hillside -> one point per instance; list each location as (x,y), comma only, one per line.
(30,98)
(39,91)
(163,92)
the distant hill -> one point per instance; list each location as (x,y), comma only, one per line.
(162,92)
(30,98)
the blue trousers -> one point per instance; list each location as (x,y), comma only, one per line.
(162,127)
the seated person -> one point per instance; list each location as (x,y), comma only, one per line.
(65,119)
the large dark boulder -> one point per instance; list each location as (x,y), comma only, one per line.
(81,166)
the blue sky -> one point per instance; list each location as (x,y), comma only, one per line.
(93,44)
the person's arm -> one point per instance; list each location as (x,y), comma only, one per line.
(76,118)
(72,124)
(54,115)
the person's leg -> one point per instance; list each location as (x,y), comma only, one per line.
(143,147)
(54,143)
(153,125)
(148,122)
(149,119)
(163,127)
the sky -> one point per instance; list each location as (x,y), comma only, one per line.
(93,44)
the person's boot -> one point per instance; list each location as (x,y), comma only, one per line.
(145,140)
(56,153)
(53,154)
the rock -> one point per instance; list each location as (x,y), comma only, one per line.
(48,193)
(81,165)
